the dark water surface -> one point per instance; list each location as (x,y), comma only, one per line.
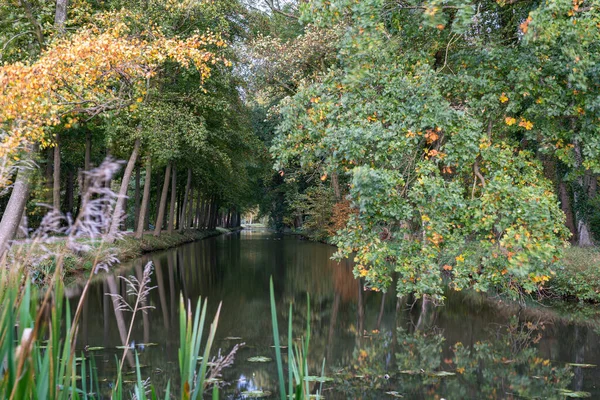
(376,346)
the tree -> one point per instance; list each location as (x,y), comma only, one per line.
(441,190)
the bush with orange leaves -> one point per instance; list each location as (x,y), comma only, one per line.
(339,218)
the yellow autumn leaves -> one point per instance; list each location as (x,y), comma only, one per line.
(523,123)
(89,73)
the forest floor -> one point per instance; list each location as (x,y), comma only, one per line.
(41,258)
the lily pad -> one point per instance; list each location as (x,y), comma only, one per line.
(394,394)
(256,394)
(581,365)
(96,348)
(260,359)
(574,395)
(410,372)
(321,379)
(442,373)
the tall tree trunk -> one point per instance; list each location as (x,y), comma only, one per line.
(48,179)
(22,230)
(565,205)
(203,211)
(335,183)
(56,176)
(579,199)
(196,213)
(145,201)
(186,198)
(120,206)
(192,210)
(15,208)
(215,214)
(87,161)
(137,197)
(173,200)
(60,17)
(70,193)
(163,202)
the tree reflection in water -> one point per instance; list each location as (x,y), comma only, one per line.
(417,363)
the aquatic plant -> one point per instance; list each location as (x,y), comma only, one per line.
(299,381)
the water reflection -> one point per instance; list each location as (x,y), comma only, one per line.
(367,338)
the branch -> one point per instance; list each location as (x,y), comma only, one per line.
(36,25)
(278,11)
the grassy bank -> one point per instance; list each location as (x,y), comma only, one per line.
(78,264)
(578,277)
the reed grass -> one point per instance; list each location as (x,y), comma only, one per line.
(38,333)
(299,381)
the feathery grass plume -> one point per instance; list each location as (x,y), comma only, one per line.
(139,289)
(219,362)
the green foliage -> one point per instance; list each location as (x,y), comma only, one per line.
(437,147)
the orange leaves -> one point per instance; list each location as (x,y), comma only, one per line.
(525,25)
(432,135)
(528,125)
(523,123)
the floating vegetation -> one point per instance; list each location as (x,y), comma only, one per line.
(94,348)
(256,394)
(581,365)
(260,359)
(442,373)
(321,379)
(574,395)
(433,373)
(394,394)
(232,338)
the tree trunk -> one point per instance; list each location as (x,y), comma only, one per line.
(145,201)
(190,208)
(137,197)
(196,217)
(87,162)
(56,176)
(565,205)
(15,208)
(160,213)
(336,186)
(48,179)
(70,194)
(22,230)
(579,199)
(186,198)
(173,200)
(60,17)
(202,218)
(120,206)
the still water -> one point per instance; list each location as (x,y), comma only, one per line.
(375,345)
